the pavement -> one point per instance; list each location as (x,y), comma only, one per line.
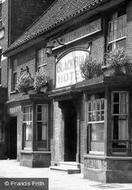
(57,180)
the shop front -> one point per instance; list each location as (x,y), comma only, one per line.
(31,136)
(92,120)
(67,102)
(108,158)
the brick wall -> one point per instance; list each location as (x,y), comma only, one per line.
(26,58)
(97,52)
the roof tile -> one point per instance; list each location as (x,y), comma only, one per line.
(59,11)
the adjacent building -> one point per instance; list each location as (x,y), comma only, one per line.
(72,119)
(12,25)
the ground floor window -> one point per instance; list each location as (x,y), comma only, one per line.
(96,124)
(42,126)
(119,121)
(27,126)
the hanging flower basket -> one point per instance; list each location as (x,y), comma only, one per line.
(118,61)
(40,82)
(25,83)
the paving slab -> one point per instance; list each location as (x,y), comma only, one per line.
(57,180)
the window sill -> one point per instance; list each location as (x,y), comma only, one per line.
(13,92)
(119,153)
(29,151)
(116,40)
(96,152)
(92,122)
(95,156)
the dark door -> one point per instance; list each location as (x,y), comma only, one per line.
(70,131)
(12,138)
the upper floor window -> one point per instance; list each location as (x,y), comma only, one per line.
(41,59)
(14,74)
(117,30)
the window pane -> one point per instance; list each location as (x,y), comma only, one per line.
(42,135)
(123,103)
(39,117)
(97,110)
(39,108)
(102,104)
(89,116)
(14,80)
(116,109)
(116,97)
(102,115)
(115,128)
(44,132)
(41,57)
(42,117)
(44,113)
(117,28)
(121,44)
(0,75)
(98,105)
(28,132)
(97,132)
(89,106)
(27,126)
(39,131)
(123,134)
(15,65)
(120,122)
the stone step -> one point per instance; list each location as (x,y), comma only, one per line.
(70,164)
(69,170)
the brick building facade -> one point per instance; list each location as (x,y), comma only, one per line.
(12,25)
(72,119)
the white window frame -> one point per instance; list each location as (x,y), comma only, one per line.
(45,123)
(119,114)
(27,123)
(93,122)
(122,37)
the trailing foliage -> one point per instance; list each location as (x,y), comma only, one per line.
(40,81)
(118,60)
(25,82)
(90,69)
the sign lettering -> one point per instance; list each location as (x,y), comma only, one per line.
(68,68)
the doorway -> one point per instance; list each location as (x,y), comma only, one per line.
(12,138)
(70,132)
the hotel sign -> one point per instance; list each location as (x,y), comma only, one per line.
(68,68)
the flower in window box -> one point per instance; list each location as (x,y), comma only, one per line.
(40,82)
(90,69)
(25,82)
(119,61)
